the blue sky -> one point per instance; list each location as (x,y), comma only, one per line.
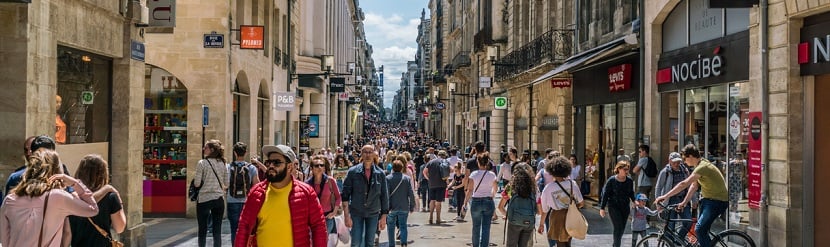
(391,28)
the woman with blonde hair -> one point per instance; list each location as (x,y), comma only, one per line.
(93,171)
(390,156)
(617,195)
(39,205)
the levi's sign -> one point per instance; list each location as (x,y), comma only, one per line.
(560,83)
(619,78)
(701,67)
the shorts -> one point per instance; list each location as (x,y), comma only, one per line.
(437,194)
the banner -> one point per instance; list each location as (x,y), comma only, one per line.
(754,160)
(313,126)
(252,37)
(304,133)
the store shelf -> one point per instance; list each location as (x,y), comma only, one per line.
(165,111)
(165,162)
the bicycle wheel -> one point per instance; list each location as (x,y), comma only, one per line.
(655,239)
(733,238)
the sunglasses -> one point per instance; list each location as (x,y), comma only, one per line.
(318,165)
(276,163)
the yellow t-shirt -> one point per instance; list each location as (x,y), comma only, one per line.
(712,185)
(275,218)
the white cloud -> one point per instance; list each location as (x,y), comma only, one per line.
(394,40)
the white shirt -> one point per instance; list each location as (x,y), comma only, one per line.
(554,198)
(576,172)
(505,172)
(452,160)
(482,186)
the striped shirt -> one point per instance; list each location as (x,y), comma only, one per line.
(211,189)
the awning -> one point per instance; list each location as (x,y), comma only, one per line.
(589,56)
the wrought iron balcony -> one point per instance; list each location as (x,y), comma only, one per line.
(286,60)
(554,46)
(277,56)
(483,38)
(461,59)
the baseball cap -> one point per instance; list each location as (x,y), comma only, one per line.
(642,197)
(281,149)
(675,156)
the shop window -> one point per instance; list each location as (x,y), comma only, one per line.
(670,128)
(738,136)
(83,97)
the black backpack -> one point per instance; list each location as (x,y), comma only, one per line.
(521,211)
(240,180)
(651,168)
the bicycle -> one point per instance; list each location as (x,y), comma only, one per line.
(668,237)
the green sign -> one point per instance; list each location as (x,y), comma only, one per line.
(501,103)
(87,97)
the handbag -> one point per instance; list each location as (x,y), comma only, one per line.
(575,223)
(193,191)
(113,242)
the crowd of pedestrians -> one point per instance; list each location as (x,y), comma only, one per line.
(370,184)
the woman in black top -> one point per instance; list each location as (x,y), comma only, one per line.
(458,192)
(618,194)
(92,171)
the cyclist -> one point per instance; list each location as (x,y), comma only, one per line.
(714,198)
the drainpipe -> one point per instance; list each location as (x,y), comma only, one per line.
(289,72)
(529,119)
(764,33)
(642,86)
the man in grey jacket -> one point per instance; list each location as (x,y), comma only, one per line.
(674,173)
(401,202)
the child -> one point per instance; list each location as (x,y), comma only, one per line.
(639,223)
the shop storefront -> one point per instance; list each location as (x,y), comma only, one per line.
(702,79)
(165,143)
(605,101)
(814,59)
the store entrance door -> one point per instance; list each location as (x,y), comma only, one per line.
(821,217)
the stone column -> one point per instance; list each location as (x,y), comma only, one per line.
(319,105)
(19,82)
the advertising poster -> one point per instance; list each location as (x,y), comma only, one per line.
(314,126)
(754,160)
(304,133)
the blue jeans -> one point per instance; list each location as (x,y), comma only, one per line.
(396,219)
(685,214)
(482,209)
(363,230)
(234,209)
(331,226)
(709,211)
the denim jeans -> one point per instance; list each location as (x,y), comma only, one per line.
(363,230)
(396,219)
(234,209)
(481,210)
(210,209)
(709,211)
(331,226)
(685,214)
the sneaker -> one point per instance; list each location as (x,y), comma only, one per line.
(458,218)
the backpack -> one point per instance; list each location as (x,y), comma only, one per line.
(445,169)
(651,168)
(521,211)
(240,181)
(541,182)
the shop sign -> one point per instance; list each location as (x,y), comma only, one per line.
(252,37)
(214,40)
(482,122)
(137,50)
(619,78)
(754,160)
(337,85)
(485,82)
(521,123)
(284,101)
(698,68)
(814,53)
(560,83)
(734,126)
(732,3)
(549,122)
(87,97)
(343,96)
(440,106)
(162,13)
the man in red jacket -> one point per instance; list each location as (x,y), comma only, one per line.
(281,210)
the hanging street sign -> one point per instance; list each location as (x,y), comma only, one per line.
(440,106)
(501,103)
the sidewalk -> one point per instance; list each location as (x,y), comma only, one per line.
(182,232)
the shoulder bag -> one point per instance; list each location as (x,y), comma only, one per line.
(575,223)
(113,242)
(43,217)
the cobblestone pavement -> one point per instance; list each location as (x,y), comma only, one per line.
(182,232)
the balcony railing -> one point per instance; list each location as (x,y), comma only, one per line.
(277,56)
(286,60)
(554,46)
(461,59)
(483,38)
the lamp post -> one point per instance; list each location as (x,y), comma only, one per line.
(451,86)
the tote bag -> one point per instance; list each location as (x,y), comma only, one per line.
(575,223)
